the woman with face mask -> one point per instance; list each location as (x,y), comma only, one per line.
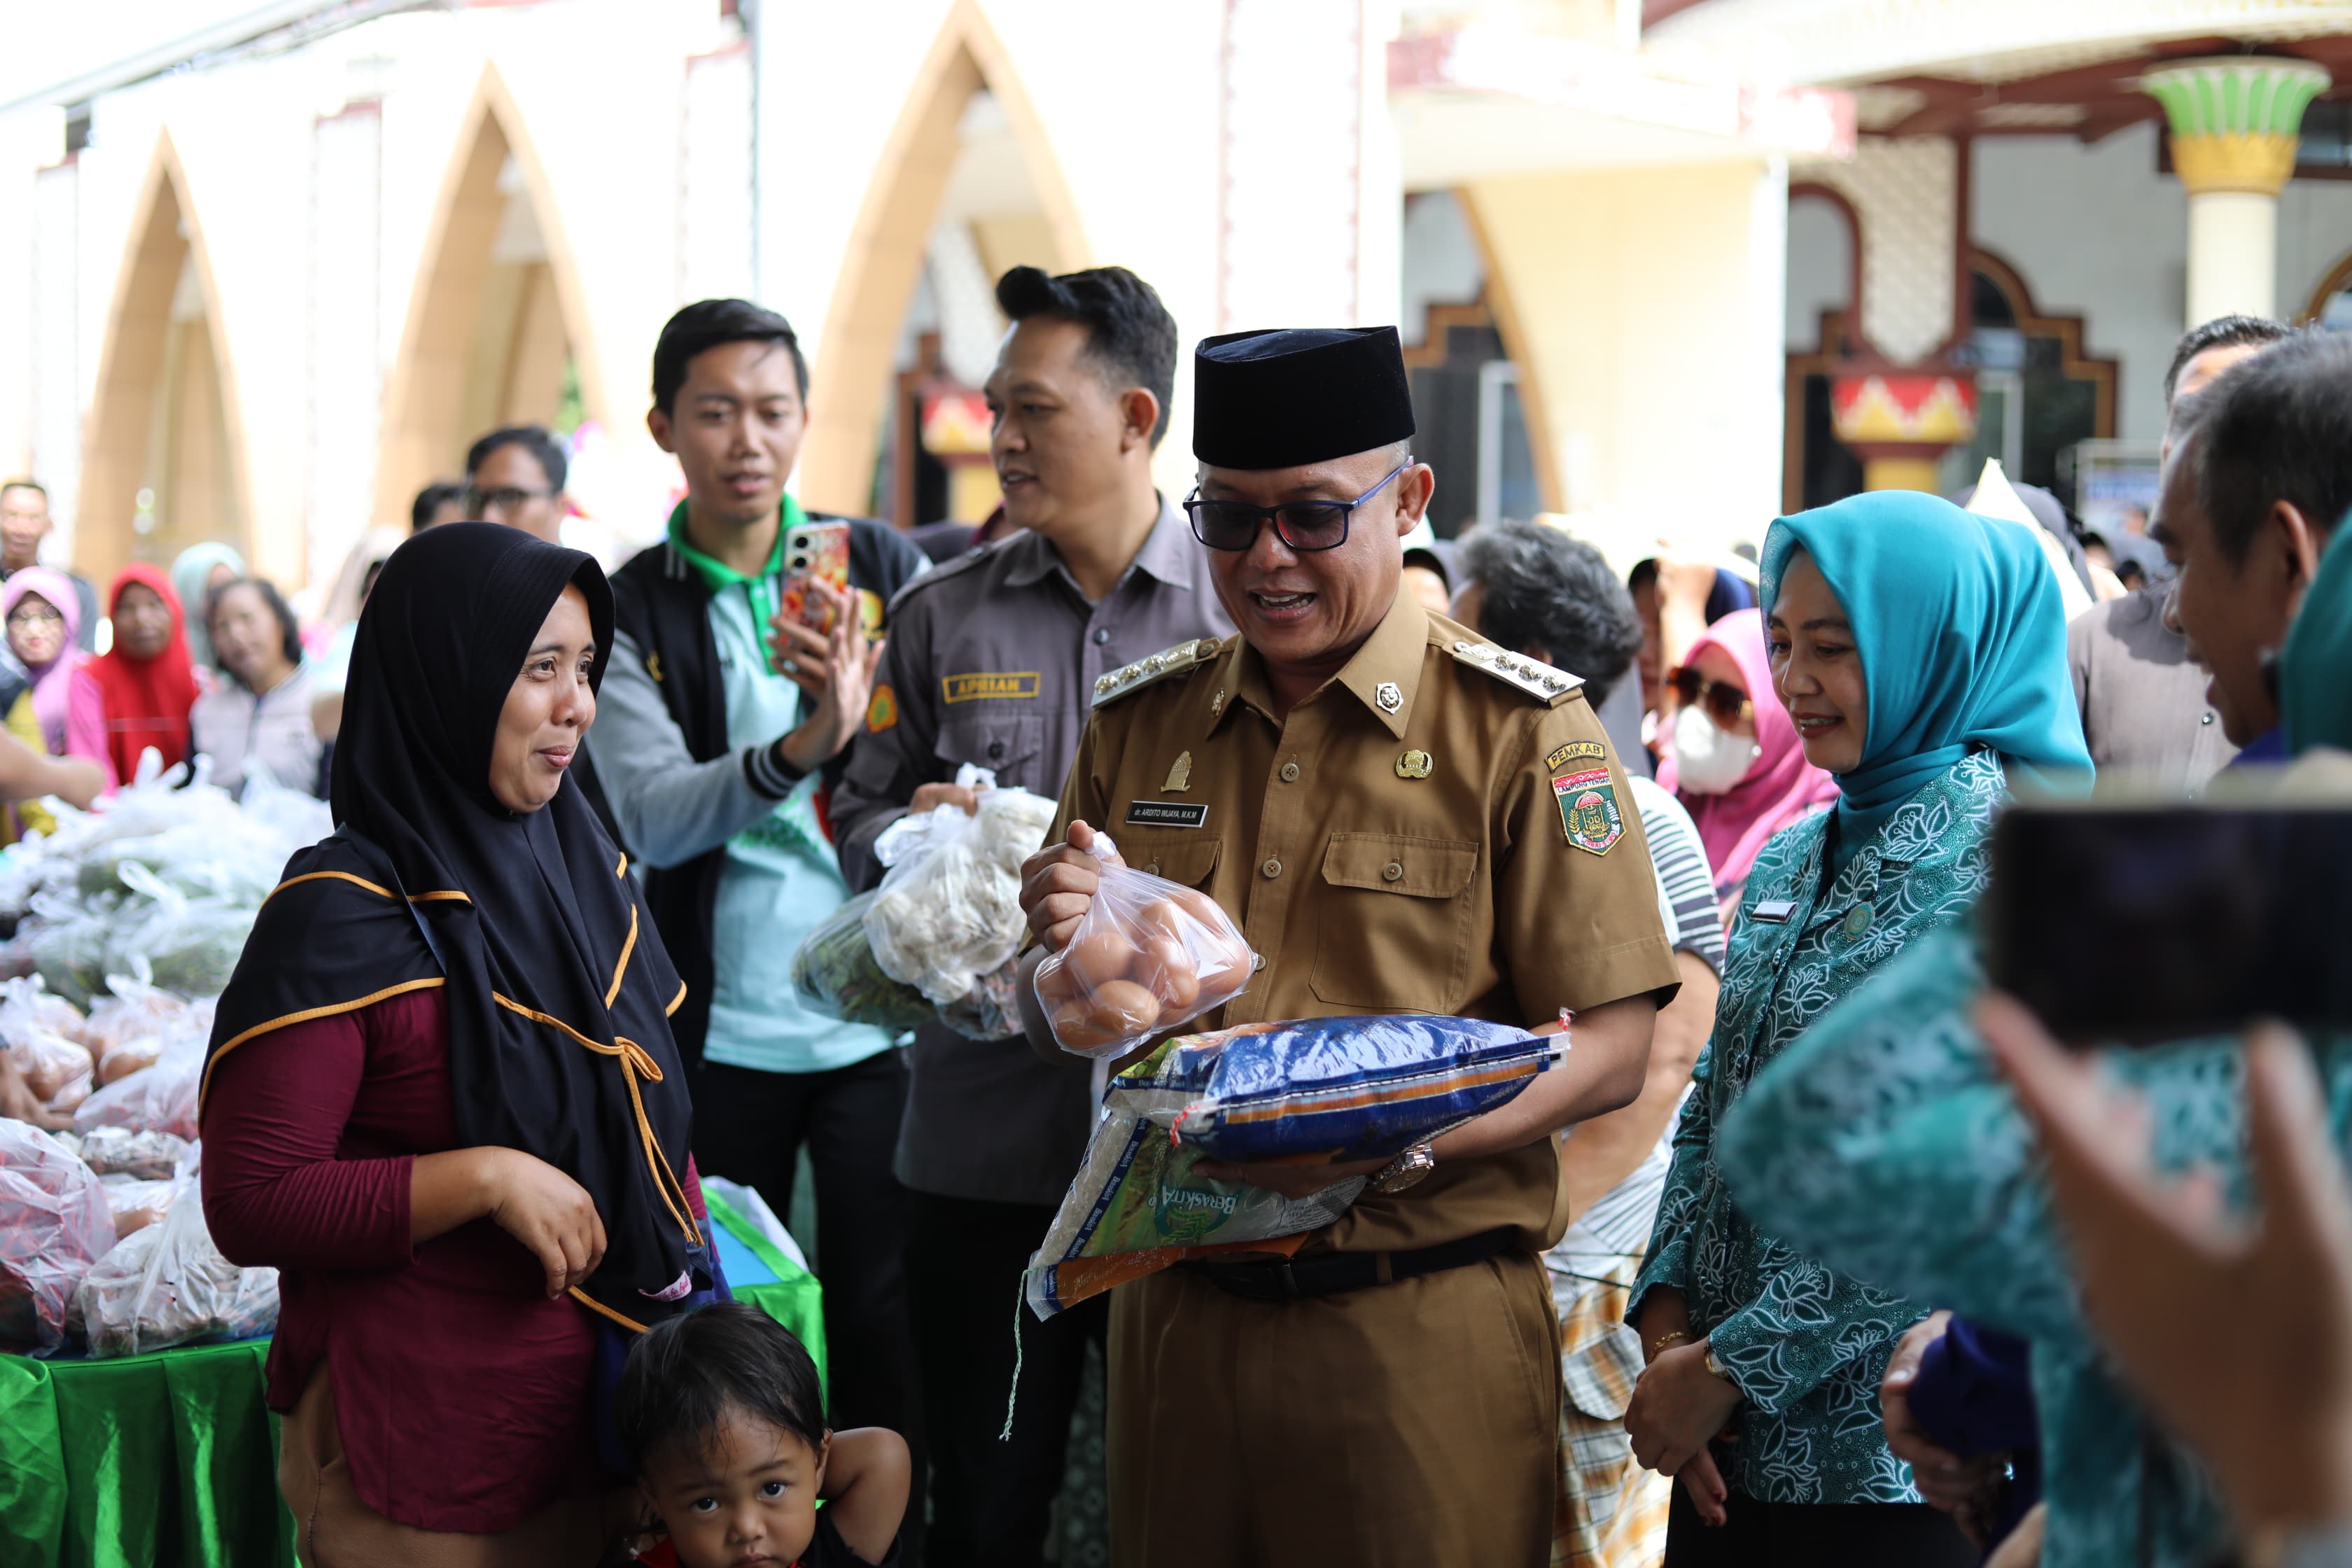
(1735,762)
(1921,653)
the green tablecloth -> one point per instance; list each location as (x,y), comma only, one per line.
(169,1460)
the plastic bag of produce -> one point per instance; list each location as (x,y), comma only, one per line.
(42,1034)
(1338,1088)
(161,1099)
(168,1285)
(148,1154)
(54,1224)
(1148,955)
(131,1027)
(991,1010)
(68,942)
(948,912)
(190,945)
(834,974)
(138,1203)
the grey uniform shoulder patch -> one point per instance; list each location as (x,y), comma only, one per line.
(1539,680)
(1118,683)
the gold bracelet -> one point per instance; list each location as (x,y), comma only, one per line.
(1663,1340)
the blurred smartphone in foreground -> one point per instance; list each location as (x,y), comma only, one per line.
(815,552)
(2137,924)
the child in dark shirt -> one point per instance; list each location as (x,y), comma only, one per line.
(723,1424)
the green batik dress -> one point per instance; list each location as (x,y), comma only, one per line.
(1807,1346)
(1886,1143)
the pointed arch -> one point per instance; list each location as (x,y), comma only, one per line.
(477,351)
(885,254)
(165,420)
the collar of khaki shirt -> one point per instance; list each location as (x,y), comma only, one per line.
(1392,656)
(1167,554)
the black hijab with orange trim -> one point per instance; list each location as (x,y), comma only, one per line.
(558,990)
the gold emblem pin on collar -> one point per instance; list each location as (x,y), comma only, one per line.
(1414,765)
(1180,777)
(1217,703)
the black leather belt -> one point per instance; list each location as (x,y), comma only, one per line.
(1330,1273)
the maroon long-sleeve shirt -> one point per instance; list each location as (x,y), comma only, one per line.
(461,1392)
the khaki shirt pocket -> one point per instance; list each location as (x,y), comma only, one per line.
(1393,923)
(1189,860)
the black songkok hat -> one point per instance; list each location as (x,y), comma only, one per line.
(1282,399)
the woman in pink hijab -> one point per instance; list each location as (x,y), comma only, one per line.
(1732,756)
(43,614)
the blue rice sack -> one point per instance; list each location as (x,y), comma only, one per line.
(1342,1089)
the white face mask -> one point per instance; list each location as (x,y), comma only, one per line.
(1707,760)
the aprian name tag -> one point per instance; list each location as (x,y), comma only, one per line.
(1167,814)
(1774,912)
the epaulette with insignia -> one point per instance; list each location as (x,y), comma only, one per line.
(1539,680)
(1184,655)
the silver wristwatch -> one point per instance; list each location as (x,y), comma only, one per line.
(1404,1170)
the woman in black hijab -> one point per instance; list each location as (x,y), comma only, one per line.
(443,1097)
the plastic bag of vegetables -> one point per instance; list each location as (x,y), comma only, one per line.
(834,974)
(167,1284)
(54,1224)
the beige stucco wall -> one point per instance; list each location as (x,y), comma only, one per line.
(1644,308)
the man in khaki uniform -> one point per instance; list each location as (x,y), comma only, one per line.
(1402,818)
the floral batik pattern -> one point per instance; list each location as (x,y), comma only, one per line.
(1805,1344)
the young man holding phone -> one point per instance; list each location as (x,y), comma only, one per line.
(992,660)
(736,684)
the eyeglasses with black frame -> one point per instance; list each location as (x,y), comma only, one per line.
(1306,526)
(1727,704)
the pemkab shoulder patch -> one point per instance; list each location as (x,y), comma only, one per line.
(1547,686)
(1185,655)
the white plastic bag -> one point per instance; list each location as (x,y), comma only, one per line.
(149,1155)
(167,1284)
(191,944)
(134,1026)
(161,1099)
(54,1224)
(138,1202)
(1148,955)
(43,1037)
(949,913)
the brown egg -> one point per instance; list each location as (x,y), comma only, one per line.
(1126,1008)
(1166,969)
(1201,907)
(1055,987)
(1079,1028)
(1163,917)
(1225,969)
(1097,958)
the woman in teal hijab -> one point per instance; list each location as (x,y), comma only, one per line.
(1922,653)
(1962,638)
(197,571)
(1884,1142)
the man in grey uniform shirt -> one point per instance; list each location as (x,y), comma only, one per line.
(992,661)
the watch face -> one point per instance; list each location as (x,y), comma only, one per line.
(1409,1167)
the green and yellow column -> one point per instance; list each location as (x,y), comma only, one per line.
(2234,121)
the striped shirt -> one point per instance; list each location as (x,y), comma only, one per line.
(1686,882)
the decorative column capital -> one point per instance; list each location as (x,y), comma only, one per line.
(1899,421)
(2234,118)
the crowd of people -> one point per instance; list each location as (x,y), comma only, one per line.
(1810,1248)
